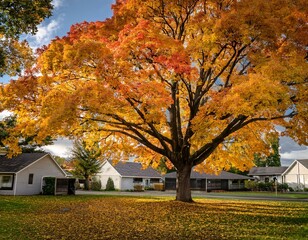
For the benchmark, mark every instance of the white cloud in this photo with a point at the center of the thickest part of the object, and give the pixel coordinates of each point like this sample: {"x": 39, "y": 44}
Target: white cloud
{"x": 301, "y": 154}
{"x": 57, "y": 3}
{"x": 4, "y": 114}
{"x": 61, "y": 147}
{"x": 47, "y": 30}
{"x": 45, "y": 33}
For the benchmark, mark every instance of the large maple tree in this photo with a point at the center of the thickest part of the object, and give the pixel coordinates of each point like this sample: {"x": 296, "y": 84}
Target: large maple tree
{"x": 199, "y": 84}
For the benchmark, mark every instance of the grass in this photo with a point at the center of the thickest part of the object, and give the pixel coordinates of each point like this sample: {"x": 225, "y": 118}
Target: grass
{"x": 114, "y": 217}
{"x": 297, "y": 195}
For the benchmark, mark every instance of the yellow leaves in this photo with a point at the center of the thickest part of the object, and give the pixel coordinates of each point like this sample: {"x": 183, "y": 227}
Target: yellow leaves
{"x": 14, "y": 149}
{"x": 254, "y": 96}
{"x": 42, "y": 217}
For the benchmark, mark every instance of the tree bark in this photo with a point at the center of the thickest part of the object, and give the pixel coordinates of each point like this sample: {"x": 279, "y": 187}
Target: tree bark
{"x": 87, "y": 183}
{"x": 183, "y": 192}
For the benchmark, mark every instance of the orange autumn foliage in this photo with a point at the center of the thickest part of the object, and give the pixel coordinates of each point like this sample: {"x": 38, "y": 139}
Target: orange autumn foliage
{"x": 202, "y": 83}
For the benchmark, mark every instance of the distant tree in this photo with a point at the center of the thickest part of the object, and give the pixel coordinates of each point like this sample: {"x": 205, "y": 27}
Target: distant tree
{"x": 60, "y": 160}
{"x": 16, "y": 18}
{"x": 272, "y": 160}
{"x": 110, "y": 185}
{"x": 86, "y": 161}
{"x": 163, "y": 166}
{"x": 237, "y": 171}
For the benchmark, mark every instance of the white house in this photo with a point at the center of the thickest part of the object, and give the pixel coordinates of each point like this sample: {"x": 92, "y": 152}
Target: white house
{"x": 267, "y": 174}
{"x": 296, "y": 175}
{"x": 127, "y": 174}
{"x": 23, "y": 174}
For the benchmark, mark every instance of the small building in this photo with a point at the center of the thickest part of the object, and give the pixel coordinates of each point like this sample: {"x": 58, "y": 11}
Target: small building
{"x": 23, "y": 174}
{"x": 126, "y": 175}
{"x": 267, "y": 174}
{"x": 208, "y": 182}
{"x": 296, "y": 175}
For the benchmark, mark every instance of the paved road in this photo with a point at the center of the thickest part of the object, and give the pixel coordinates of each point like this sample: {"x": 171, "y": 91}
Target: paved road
{"x": 198, "y": 194}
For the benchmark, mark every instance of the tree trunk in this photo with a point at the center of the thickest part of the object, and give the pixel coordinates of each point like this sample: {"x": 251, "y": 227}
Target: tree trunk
{"x": 183, "y": 192}
{"x": 87, "y": 183}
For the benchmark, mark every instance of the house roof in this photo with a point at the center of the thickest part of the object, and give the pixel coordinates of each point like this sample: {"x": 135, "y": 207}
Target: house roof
{"x": 222, "y": 175}
{"x": 15, "y": 164}
{"x": 266, "y": 171}
{"x": 134, "y": 169}
{"x": 304, "y": 162}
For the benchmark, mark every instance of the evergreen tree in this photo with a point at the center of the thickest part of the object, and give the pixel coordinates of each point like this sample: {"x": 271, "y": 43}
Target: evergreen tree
{"x": 273, "y": 160}
{"x": 86, "y": 160}
{"x": 110, "y": 185}
{"x": 26, "y": 144}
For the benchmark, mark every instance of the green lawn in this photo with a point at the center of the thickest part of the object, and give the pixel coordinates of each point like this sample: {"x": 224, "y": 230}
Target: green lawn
{"x": 290, "y": 195}
{"x": 115, "y": 217}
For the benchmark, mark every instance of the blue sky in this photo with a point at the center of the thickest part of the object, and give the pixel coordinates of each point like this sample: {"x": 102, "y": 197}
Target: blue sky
{"x": 69, "y": 12}
{"x": 65, "y": 14}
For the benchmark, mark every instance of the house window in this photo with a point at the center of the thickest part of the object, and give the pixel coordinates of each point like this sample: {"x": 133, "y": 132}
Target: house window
{"x": 6, "y": 182}
{"x": 30, "y": 180}
{"x": 137, "y": 180}
{"x": 154, "y": 180}
{"x": 266, "y": 179}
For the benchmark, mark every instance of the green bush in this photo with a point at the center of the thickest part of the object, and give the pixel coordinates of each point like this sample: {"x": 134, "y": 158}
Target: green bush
{"x": 96, "y": 185}
{"x": 282, "y": 187}
{"x": 49, "y": 187}
{"x": 110, "y": 185}
{"x": 265, "y": 186}
{"x": 251, "y": 185}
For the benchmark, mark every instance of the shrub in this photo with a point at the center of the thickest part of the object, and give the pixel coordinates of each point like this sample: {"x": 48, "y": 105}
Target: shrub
{"x": 96, "y": 185}
{"x": 110, "y": 185}
{"x": 265, "y": 186}
{"x": 282, "y": 187}
{"x": 251, "y": 185}
{"x": 49, "y": 187}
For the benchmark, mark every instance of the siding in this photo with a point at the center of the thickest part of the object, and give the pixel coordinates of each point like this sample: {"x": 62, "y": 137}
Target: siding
{"x": 127, "y": 184}
{"x": 41, "y": 168}
{"x": 107, "y": 171}
{"x": 6, "y": 192}
{"x": 297, "y": 176}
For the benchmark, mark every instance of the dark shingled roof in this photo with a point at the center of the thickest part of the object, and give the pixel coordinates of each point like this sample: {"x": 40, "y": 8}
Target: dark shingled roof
{"x": 266, "y": 171}
{"x": 133, "y": 169}
{"x": 304, "y": 162}
{"x": 222, "y": 175}
{"x": 15, "y": 164}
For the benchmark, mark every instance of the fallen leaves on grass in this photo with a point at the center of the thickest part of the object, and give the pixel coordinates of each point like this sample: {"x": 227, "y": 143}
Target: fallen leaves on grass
{"x": 77, "y": 217}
